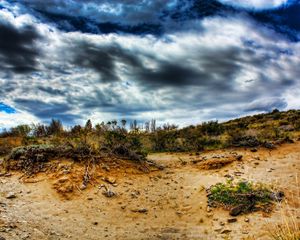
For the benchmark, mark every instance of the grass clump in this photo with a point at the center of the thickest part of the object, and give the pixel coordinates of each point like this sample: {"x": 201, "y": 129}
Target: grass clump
{"x": 242, "y": 197}
{"x": 286, "y": 232}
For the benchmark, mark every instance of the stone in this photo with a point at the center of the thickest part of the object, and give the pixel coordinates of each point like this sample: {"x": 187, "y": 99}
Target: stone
{"x": 11, "y": 195}
{"x": 269, "y": 145}
{"x": 218, "y": 229}
{"x": 110, "y": 180}
{"x": 277, "y": 196}
{"x": 140, "y": 210}
{"x": 235, "y": 211}
{"x": 225, "y": 231}
{"x": 239, "y": 157}
{"x": 208, "y": 209}
{"x": 231, "y": 220}
{"x": 109, "y": 193}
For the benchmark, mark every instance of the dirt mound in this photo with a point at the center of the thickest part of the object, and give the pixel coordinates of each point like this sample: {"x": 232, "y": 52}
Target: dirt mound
{"x": 71, "y": 169}
{"x": 217, "y": 162}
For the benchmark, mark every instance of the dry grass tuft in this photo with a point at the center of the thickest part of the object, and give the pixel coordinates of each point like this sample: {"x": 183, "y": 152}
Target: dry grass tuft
{"x": 289, "y": 229}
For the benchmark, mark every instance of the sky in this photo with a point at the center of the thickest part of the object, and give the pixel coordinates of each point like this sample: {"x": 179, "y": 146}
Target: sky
{"x": 177, "y": 61}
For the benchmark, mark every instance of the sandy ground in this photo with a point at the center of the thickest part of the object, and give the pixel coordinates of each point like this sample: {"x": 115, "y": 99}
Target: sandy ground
{"x": 166, "y": 204}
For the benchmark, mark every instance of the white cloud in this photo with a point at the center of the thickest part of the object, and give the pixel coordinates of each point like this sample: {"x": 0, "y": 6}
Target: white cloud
{"x": 8, "y": 120}
{"x": 256, "y": 4}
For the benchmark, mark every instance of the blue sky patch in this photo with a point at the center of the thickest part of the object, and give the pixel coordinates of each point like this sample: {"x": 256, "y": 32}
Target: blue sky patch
{"x": 7, "y": 109}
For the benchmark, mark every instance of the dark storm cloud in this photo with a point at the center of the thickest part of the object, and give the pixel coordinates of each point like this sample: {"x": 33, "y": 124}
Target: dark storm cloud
{"x": 155, "y": 16}
{"x": 134, "y": 16}
{"x": 213, "y": 66}
{"x": 18, "y": 52}
{"x": 47, "y": 111}
{"x": 285, "y": 20}
{"x": 103, "y": 59}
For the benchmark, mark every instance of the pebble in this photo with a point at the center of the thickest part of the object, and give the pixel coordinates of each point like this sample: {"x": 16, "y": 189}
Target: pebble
{"x": 231, "y": 220}
{"x": 140, "y": 210}
{"x": 11, "y": 195}
{"x": 225, "y": 231}
{"x": 208, "y": 209}
{"x": 110, "y": 180}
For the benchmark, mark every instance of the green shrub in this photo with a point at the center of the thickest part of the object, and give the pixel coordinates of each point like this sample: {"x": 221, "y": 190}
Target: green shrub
{"x": 244, "y": 193}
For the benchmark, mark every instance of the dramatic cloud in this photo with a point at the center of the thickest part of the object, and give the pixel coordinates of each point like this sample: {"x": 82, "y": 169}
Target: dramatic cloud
{"x": 218, "y": 63}
{"x": 256, "y": 4}
{"x": 17, "y": 50}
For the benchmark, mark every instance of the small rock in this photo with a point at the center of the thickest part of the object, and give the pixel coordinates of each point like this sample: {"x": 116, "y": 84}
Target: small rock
{"x": 109, "y": 193}
{"x": 179, "y": 213}
{"x": 218, "y": 229}
{"x": 235, "y": 211}
{"x": 253, "y": 149}
{"x": 246, "y": 220}
{"x": 231, "y": 220}
{"x": 110, "y": 180}
{"x": 239, "y": 157}
{"x": 208, "y": 209}
{"x": 11, "y": 195}
{"x": 140, "y": 210}
{"x": 277, "y": 196}
{"x": 229, "y": 176}
{"x": 237, "y": 173}
{"x": 225, "y": 231}
{"x": 269, "y": 145}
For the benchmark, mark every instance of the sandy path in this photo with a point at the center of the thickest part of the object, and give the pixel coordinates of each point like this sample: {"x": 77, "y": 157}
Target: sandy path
{"x": 174, "y": 198}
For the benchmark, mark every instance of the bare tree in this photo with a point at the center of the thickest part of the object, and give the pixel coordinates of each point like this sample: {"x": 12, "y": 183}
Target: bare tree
{"x": 123, "y": 122}
{"x": 153, "y": 125}
{"x": 134, "y": 126}
{"x": 147, "y": 126}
